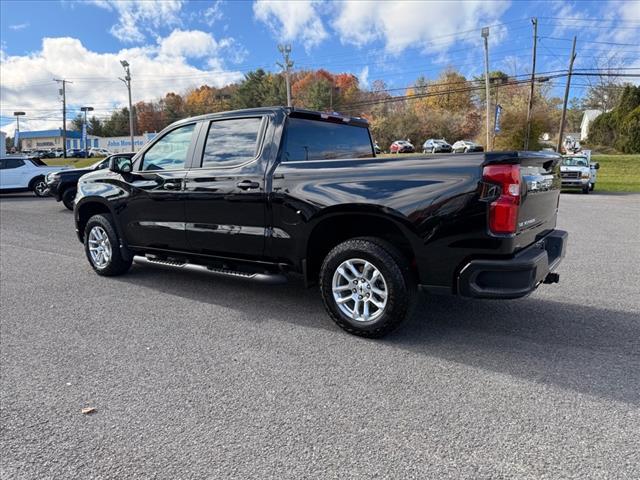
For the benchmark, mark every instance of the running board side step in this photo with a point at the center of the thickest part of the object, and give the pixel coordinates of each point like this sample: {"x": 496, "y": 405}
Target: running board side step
{"x": 264, "y": 277}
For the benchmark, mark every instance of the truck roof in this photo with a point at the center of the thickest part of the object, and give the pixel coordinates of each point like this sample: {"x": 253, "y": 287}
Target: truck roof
{"x": 289, "y": 111}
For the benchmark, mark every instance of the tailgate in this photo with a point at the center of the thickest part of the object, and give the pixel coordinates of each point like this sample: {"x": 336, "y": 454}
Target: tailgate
{"x": 539, "y": 192}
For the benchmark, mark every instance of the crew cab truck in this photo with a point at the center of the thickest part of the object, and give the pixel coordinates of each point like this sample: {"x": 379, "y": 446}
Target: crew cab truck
{"x": 258, "y": 193}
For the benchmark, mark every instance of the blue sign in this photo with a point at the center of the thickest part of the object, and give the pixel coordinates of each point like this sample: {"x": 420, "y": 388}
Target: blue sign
{"x": 16, "y": 138}
{"x": 84, "y": 135}
{"x": 496, "y": 120}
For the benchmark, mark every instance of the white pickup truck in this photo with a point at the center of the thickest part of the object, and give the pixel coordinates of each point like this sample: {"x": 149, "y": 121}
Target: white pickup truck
{"x": 23, "y": 174}
{"x": 578, "y": 172}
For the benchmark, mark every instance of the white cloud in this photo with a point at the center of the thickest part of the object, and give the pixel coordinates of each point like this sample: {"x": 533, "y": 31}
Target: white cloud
{"x": 292, "y": 20}
{"x": 188, "y": 43}
{"x": 213, "y": 13}
{"x": 19, "y": 26}
{"x": 136, "y": 16}
{"x": 432, "y": 26}
{"x": 156, "y": 70}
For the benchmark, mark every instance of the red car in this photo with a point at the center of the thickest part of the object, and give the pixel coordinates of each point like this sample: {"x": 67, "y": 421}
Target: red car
{"x": 401, "y": 146}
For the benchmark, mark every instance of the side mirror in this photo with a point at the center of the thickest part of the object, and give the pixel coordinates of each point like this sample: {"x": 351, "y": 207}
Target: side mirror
{"x": 120, "y": 165}
{"x": 595, "y": 166}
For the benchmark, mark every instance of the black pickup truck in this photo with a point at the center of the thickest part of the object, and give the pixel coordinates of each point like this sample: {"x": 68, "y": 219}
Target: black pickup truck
{"x": 262, "y": 192}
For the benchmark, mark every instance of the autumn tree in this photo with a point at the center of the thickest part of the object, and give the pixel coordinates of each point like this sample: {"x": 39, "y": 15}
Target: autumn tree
{"x": 173, "y": 108}
{"x": 149, "y": 117}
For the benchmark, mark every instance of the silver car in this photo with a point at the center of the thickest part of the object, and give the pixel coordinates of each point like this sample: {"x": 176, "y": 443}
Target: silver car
{"x": 464, "y": 146}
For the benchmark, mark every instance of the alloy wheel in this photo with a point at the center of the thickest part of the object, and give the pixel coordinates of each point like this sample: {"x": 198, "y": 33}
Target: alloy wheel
{"x": 360, "y": 290}
{"x": 99, "y": 247}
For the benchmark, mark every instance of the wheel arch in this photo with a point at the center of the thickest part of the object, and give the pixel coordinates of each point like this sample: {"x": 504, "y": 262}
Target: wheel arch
{"x": 87, "y": 208}
{"x": 335, "y": 227}
{"x": 35, "y": 179}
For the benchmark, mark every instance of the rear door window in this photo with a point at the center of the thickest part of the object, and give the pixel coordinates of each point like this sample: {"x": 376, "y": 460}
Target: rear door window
{"x": 10, "y": 163}
{"x": 231, "y": 142}
{"x": 308, "y": 139}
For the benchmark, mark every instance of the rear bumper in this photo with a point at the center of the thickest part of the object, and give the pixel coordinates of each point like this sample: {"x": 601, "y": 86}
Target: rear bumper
{"x": 515, "y": 277}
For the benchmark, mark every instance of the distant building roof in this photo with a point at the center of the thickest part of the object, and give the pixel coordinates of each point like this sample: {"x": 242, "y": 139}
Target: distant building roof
{"x": 50, "y": 133}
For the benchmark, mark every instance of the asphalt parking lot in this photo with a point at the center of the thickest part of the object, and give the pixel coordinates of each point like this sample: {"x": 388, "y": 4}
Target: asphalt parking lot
{"x": 196, "y": 376}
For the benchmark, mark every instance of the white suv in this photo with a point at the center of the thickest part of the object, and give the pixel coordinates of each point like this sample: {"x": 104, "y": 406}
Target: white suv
{"x": 22, "y": 173}
{"x": 99, "y": 152}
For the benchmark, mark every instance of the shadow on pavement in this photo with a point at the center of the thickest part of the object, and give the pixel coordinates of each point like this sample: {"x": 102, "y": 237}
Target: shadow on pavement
{"x": 587, "y": 349}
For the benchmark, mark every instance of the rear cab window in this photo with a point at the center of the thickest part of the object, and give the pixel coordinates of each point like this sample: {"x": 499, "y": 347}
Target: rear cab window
{"x": 315, "y": 139}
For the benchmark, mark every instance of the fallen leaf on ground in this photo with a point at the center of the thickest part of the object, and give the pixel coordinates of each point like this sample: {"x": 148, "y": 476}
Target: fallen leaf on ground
{"x": 88, "y": 410}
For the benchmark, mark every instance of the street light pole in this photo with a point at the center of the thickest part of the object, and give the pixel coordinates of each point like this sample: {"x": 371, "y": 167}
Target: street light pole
{"x": 16, "y": 136}
{"x": 286, "y": 65}
{"x": 127, "y": 82}
{"x": 485, "y": 35}
{"x": 84, "y": 132}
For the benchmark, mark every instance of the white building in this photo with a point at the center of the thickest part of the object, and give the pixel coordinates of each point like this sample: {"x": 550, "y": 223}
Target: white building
{"x": 123, "y": 144}
{"x": 52, "y": 139}
{"x": 587, "y": 117}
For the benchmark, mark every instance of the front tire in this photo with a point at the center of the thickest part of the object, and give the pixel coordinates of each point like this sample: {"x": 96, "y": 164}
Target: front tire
{"x": 68, "y": 198}
{"x": 586, "y": 189}
{"x": 102, "y": 247}
{"x": 366, "y": 286}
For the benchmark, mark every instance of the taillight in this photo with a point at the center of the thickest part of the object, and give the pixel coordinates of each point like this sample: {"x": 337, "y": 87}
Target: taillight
{"x": 503, "y": 212}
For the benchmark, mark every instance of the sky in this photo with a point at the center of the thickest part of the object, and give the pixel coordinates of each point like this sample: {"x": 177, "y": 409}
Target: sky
{"x": 175, "y": 45}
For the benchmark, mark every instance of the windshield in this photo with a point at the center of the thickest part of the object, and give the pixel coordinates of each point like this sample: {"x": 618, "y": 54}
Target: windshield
{"x": 575, "y": 162}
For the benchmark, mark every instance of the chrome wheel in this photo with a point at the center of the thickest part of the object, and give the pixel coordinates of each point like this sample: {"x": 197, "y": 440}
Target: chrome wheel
{"x": 99, "y": 247}
{"x": 359, "y": 290}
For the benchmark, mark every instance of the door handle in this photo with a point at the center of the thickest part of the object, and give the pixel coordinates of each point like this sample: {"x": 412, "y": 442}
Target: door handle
{"x": 172, "y": 186}
{"x": 247, "y": 184}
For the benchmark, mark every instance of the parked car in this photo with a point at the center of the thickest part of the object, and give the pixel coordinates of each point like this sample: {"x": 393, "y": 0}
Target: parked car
{"x": 578, "y": 172}
{"x": 18, "y": 173}
{"x": 75, "y": 153}
{"x": 401, "y": 146}
{"x": 257, "y": 193}
{"x": 435, "y": 146}
{"x": 99, "y": 152}
{"x": 464, "y": 146}
{"x": 62, "y": 184}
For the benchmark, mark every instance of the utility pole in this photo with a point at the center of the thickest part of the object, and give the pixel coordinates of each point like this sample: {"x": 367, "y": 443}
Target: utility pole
{"x": 127, "y": 82}
{"x": 485, "y": 35}
{"x": 286, "y": 66}
{"x": 533, "y": 79}
{"x": 16, "y": 135}
{"x": 566, "y": 95}
{"x": 63, "y": 92}
{"x": 84, "y": 132}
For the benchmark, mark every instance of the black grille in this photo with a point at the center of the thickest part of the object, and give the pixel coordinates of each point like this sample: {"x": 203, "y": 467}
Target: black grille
{"x": 570, "y": 174}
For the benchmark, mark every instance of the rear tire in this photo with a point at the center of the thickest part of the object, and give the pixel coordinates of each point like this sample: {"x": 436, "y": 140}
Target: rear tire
{"x": 367, "y": 286}
{"x": 39, "y": 186}
{"x": 102, "y": 247}
{"x": 68, "y": 198}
